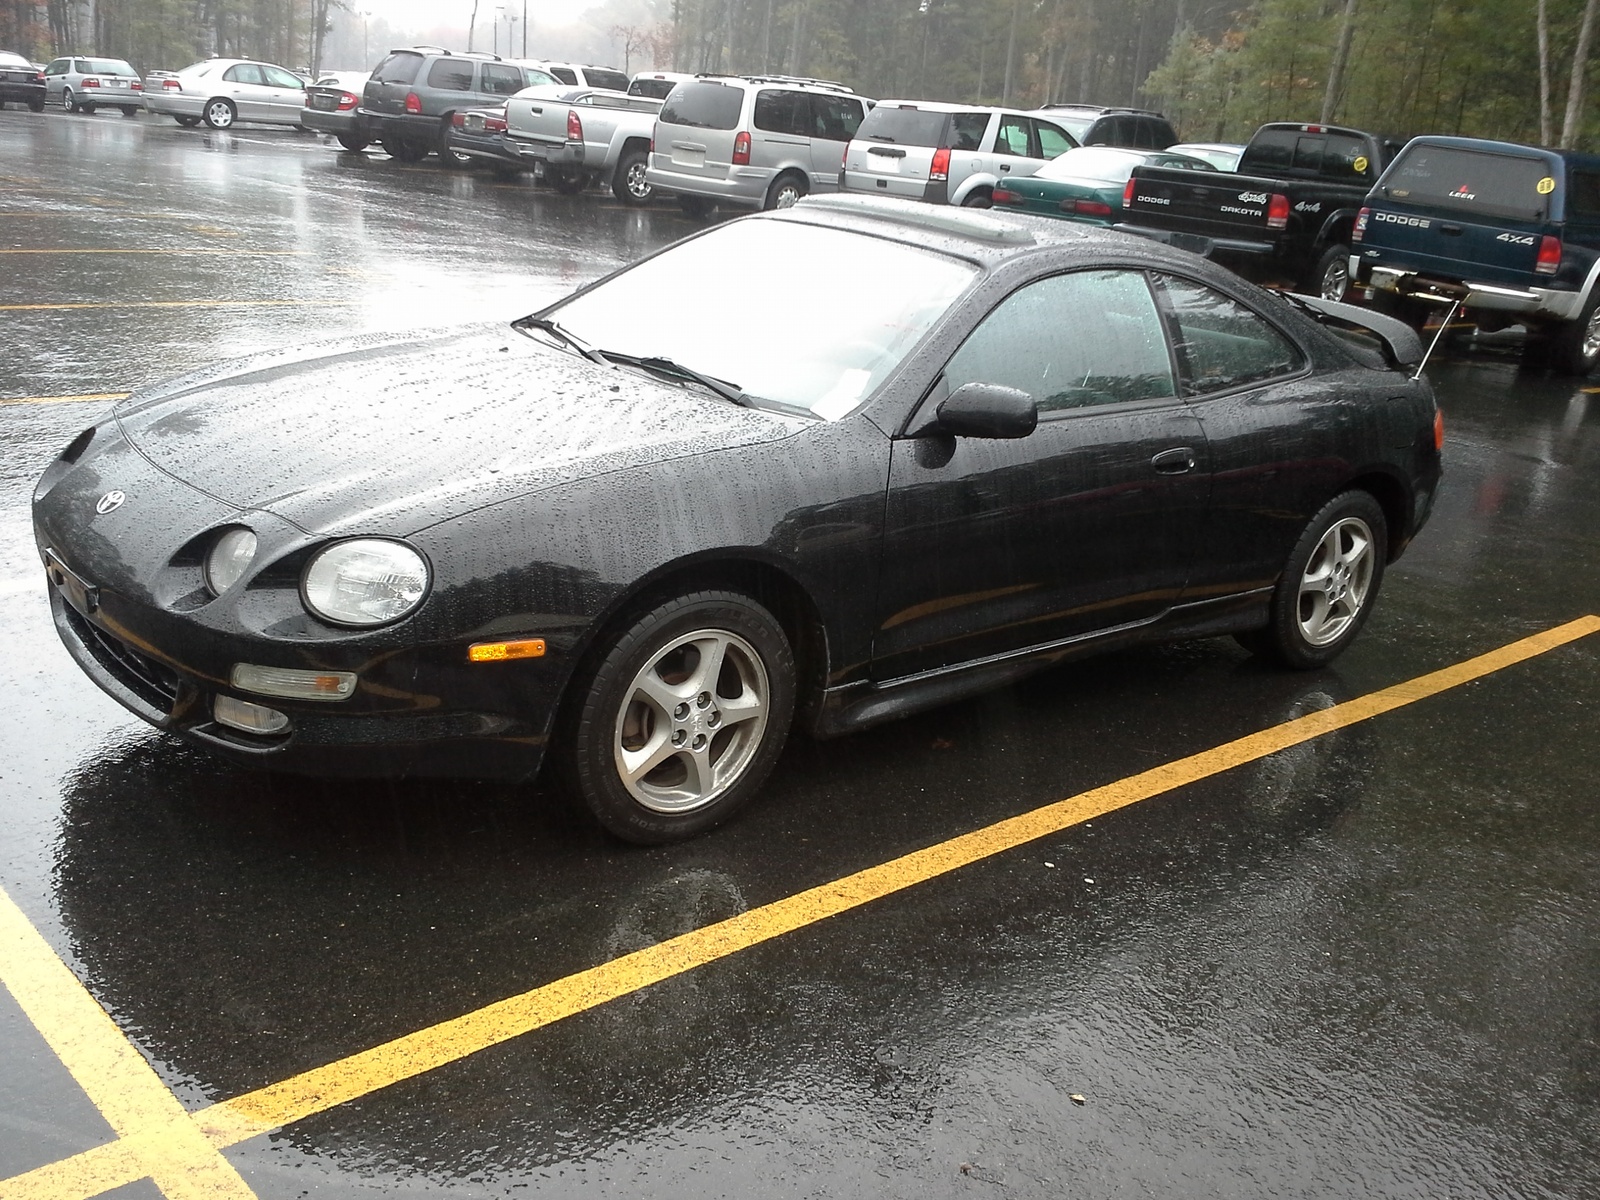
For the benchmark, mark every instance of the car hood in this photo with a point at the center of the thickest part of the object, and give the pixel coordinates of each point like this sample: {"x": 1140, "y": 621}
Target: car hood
{"x": 393, "y": 435}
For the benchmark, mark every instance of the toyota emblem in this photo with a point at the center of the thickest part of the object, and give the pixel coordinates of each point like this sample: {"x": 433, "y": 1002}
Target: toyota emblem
{"x": 110, "y": 502}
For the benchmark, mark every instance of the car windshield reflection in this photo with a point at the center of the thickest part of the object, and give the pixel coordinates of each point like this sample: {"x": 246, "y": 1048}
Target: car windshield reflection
{"x": 760, "y": 302}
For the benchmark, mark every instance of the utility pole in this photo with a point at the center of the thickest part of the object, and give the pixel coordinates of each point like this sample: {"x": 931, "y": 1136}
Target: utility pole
{"x": 524, "y": 28}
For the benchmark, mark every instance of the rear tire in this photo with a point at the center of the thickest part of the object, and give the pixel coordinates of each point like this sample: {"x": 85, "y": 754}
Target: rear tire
{"x": 36, "y": 105}
{"x": 405, "y": 151}
{"x": 1328, "y": 586}
{"x": 449, "y": 158}
{"x": 679, "y": 717}
{"x": 1575, "y": 345}
{"x": 630, "y": 184}
{"x": 785, "y": 191}
{"x": 1330, "y": 278}
{"x": 220, "y": 113}
{"x": 569, "y": 181}
{"x": 699, "y": 207}
{"x": 979, "y": 199}
{"x": 129, "y": 110}
{"x": 353, "y": 143}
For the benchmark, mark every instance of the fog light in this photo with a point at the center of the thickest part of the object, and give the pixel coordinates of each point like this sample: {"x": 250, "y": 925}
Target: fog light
{"x": 292, "y": 684}
{"x": 247, "y": 717}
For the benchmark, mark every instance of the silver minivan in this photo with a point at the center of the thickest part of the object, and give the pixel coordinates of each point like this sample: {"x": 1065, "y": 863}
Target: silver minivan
{"x": 758, "y": 141}
{"x": 947, "y": 153}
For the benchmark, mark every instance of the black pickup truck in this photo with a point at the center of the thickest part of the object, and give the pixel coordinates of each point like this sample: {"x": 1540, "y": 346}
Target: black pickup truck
{"x": 1283, "y": 218}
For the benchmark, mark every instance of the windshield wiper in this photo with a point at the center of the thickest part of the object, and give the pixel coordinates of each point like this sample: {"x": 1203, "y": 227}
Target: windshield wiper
{"x": 553, "y": 328}
{"x": 669, "y": 369}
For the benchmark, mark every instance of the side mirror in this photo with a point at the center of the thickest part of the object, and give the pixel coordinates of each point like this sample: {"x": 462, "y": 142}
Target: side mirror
{"x": 987, "y": 410}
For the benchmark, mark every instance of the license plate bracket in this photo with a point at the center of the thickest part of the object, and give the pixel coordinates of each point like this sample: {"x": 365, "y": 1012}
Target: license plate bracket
{"x": 80, "y": 593}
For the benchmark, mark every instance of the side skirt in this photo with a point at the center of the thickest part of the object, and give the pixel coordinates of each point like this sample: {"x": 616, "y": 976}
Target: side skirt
{"x": 857, "y": 706}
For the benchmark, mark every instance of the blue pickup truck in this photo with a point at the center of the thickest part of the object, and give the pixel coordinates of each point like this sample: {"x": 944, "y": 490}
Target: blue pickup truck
{"x": 1511, "y": 231}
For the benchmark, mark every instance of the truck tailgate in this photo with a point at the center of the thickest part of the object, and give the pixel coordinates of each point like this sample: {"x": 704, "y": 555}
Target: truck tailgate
{"x": 1220, "y": 205}
{"x": 1449, "y": 249}
{"x": 537, "y": 119}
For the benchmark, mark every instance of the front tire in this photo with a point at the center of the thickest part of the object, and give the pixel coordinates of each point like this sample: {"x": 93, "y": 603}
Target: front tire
{"x": 1328, "y": 587}
{"x": 129, "y": 110}
{"x": 220, "y": 113}
{"x": 1330, "y": 278}
{"x": 681, "y": 716}
{"x": 785, "y": 192}
{"x": 187, "y": 122}
{"x": 69, "y": 102}
{"x": 630, "y": 183}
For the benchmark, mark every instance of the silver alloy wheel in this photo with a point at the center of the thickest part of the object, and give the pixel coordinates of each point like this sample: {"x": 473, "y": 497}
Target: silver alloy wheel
{"x": 787, "y": 195}
{"x": 691, "y": 721}
{"x": 1336, "y": 582}
{"x": 1591, "y": 337}
{"x": 219, "y": 114}
{"x": 636, "y": 182}
{"x": 1336, "y": 279}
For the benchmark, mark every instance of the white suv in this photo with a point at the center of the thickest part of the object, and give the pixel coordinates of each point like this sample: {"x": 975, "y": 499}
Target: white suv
{"x": 947, "y": 153}
{"x": 756, "y": 141}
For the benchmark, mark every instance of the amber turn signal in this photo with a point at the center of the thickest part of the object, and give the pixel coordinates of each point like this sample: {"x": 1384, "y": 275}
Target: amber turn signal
{"x": 501, "y": 651}
{"x": 1438, "y": 429}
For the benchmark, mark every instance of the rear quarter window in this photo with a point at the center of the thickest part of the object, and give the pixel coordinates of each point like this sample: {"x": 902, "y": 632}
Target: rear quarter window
{"x": 1583, "y": 195}
{"x": 450, "y": 75}
{"x": 398, "y": 68}
{"x": 703, "y": 106}
{"x": 1471, "y": 182}
{"x": 783, "y": 112}
{"x": 604, "y": 77}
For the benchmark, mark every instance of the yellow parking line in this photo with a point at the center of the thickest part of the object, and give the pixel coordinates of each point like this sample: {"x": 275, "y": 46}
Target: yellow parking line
{"x": 178, "y": 304}
{"x": 88, "y": 398}
{"x": 122, "y": 1085}
{"x": 322, "y": 1088}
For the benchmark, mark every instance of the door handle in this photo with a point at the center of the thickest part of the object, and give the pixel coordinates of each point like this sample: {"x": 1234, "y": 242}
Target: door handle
{"x": 1177, "y": 461}
{"x": 1005, "y": 166}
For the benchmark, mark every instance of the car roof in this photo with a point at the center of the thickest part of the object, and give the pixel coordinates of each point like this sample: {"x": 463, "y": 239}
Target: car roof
{"x": 945, "y": 106}
{"x": 1577, "y": 157}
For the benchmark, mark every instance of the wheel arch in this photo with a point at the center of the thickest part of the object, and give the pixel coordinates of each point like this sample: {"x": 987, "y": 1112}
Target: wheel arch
{"x": 636, "y": 142}
{"x": 973, "y": 183}
{"x": 748, "y": 572}
{"x": 1395, "y": 500}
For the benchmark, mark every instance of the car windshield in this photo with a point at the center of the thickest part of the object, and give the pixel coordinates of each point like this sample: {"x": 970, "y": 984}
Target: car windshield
{"x": 1092, "y": 162}
{"x": 842, "y": 311}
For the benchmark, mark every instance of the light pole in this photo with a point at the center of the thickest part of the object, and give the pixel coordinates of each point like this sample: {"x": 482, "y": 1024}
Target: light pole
{"x": 499, "y": 11}
{"x": 366, "y": 56}
{"x": 511, "y": 33}
{"x": 524, "y": 28}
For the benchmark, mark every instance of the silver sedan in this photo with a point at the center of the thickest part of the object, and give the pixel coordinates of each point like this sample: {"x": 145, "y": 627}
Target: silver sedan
{"x": 81, "y": 84}
{"x": 224, "y": 91}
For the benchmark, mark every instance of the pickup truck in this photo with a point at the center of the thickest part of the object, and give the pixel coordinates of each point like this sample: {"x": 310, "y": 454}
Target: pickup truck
{"x": 583, "y": 135}
{"x": 1283, "y": 218}
{"x": 1512, "y": 232}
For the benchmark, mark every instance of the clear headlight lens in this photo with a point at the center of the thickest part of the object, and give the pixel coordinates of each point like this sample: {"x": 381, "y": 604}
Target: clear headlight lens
{"x": 229, "y": 559}
{"x": 365, "y": 581}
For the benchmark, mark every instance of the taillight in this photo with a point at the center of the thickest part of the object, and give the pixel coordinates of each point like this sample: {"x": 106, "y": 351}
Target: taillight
{"x": 1001, "y": 196}
{"x": 91, "y": 83}
{"x": 1438, "y": 429}
{"x": 939, "y": 168}
{"x": 1549, "y": 260}
{"x": 1278, "y": 212}
{"x": 176, "y": 85}
{"x": 1091, "y": 208}
{"x": 1127, "y": 193}
{"x": 39, "y": 78}
{"x": 136, "y": 86}
{"x": 494, "y": 124}
{"x": 413, "y": 102}
{"x": 1360, "y": 230}
{"x": 458, "y": 120}
{"x": 347, "y": 101}
{"x": 741, "y": 149}
{"x": 575, "y": 127}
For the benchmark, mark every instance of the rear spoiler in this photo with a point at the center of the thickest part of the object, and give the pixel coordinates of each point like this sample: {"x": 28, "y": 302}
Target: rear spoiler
{"x": 1401, "y": 345}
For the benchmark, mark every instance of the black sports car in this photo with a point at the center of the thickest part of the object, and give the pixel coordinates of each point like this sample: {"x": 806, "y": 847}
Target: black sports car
{"x": 928, "y": 451}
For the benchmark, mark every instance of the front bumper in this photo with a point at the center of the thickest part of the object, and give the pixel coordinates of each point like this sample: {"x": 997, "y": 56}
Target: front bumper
{"x": 1548, "y": 304}
{"x": 125, "y": 648}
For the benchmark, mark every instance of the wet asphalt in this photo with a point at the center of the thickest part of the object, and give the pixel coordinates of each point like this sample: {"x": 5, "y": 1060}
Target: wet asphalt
{"x": 1366, "y": 966}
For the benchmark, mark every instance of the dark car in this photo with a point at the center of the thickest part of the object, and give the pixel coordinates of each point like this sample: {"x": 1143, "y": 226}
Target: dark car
{"x": 1513, "y": 232}
{"x": 646, "y": 537}
{"x": 412, "y": 95}
{"x": 1098, "y": 125}
{"x": 479, "y": 135}
{"x": 331, "y": 106}
{"x": 20, "y": 81}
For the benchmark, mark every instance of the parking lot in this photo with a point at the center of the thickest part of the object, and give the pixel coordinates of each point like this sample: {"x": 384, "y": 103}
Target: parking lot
{"x": 1166, "y": 922}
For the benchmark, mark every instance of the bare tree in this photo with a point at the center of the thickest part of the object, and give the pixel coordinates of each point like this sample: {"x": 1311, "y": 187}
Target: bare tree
{"x": 1580, "y": 68}
{"x": 634, "y": 38}
{"x": 1341, "y": 58}
{"x": 1544, "y": 73}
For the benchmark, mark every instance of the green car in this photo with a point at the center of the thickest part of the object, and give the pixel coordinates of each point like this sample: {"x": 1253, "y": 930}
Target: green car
{"x": 1087, "y": 184}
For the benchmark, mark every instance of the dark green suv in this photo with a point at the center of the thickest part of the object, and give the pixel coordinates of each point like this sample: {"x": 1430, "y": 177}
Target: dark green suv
{"x": 412, "y": 94}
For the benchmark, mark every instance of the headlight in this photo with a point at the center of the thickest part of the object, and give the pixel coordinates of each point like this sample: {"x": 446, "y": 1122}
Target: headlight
{"x": 229, "y": 559}
{"x": 365, "y": 582}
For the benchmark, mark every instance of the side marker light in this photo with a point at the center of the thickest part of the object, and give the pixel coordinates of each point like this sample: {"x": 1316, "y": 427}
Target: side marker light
{"x": 504, "y": 651}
